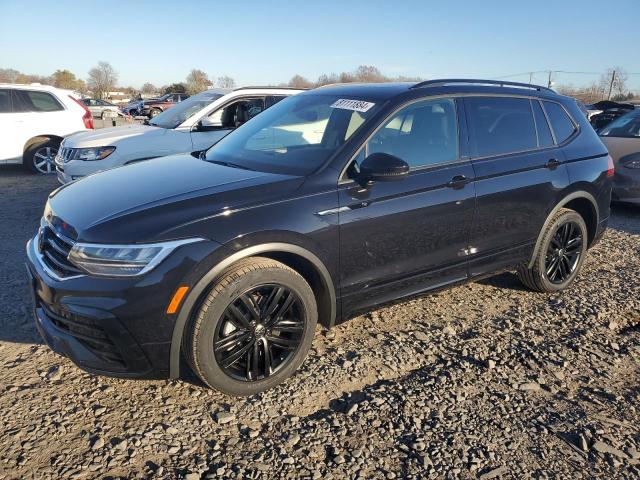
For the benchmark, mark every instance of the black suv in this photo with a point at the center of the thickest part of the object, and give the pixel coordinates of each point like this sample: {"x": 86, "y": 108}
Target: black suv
{"x": 330, "y": 203}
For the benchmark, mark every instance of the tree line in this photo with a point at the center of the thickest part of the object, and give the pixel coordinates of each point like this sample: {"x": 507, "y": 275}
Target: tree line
{"x": 364, "y": 73}
{"x": 103, "y": 78}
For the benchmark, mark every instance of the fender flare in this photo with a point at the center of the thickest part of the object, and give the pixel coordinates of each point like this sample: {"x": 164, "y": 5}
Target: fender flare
{"x": 205, "y": 282}
{"x": 572, "y": 196}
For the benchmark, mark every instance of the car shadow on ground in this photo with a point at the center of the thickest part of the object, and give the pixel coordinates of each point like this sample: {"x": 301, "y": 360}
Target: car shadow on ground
{"x": 624, "y": 217}
{"x": 506, "y": 280}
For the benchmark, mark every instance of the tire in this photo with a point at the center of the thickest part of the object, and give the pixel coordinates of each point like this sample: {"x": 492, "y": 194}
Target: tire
{"x": 44, "y": 150}
{"x": 154, "y": 112}
{"x": 567, "y": 259}
{"x": 251, "y": 278}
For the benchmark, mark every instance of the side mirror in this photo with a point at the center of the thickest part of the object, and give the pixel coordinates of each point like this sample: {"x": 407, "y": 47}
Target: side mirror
{"x": 382, "y": 167}
{"x": 206, "y": 125}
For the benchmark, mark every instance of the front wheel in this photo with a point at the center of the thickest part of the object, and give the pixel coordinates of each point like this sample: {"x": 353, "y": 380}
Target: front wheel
{"x": 39, "y": 158}
{"x": 562, "y": 251}
{"x": 254, "y": 328}
{"x": 154, "y": 112}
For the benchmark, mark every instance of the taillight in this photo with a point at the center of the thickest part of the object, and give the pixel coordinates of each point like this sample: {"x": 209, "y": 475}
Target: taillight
{"x": 87, "y": 118}
{"x": 610, "y": 168}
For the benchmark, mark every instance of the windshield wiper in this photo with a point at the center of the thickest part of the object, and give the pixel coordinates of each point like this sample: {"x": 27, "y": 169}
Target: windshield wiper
{"x": 228, "y": 164}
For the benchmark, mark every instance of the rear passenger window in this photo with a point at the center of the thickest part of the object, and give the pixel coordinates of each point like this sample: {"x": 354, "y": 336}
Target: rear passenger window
{"x": 544, "y": 134}
{"x": 5, "y": 101}
{"x": 562, "y": 125}
{"x": 424, "y": 133}
{"x": 28, "y": 101}
{"x": 500, "y": 125}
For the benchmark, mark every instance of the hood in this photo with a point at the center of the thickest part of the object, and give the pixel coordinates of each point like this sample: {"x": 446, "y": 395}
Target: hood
{"x": 110, "y": 136}
{"x": 153, "y": 200}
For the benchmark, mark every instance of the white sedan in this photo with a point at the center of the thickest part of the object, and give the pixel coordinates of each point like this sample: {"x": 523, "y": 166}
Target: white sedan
{"x": 191, "y": 126}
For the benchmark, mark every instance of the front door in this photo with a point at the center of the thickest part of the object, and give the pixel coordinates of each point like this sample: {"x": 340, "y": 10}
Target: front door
{"x": 224, "y": 120}
{"x": 404, "y": 237}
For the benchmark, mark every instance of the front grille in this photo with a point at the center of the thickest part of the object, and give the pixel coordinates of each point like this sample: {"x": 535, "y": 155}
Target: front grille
{"x": 54, "y": 250}
{"x": 67, "y": 154}
{"x": 87, "y": 331}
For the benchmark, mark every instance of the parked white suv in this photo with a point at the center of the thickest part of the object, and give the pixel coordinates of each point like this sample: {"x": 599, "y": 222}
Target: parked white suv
{"x": 193, "y": 125}
{"x": 33, "y": 121}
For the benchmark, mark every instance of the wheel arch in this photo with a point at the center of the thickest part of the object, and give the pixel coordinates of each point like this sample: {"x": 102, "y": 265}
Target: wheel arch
{"x": 39, "y": 139}
{"x": 580, "y": 201}
{"x": 300, "y": 259}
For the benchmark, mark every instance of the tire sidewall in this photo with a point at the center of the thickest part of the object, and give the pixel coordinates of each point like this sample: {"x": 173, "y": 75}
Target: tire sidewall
{"x": 29, "y": 159}
{"x": 569, "y": 216}
{"x": 208, "y": 365}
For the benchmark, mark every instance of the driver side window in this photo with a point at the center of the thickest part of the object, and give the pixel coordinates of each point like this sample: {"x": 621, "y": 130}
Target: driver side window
{"x": 422, "y": 134}
{"x": 236, "y": 113}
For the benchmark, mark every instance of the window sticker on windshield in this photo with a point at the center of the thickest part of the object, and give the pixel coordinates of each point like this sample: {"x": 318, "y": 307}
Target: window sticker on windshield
{"x": 355, "y": 105}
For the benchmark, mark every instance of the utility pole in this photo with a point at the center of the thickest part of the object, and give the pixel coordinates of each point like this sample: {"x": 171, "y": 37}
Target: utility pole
{"x": 613, "y": 77}
{"x": 549, "y": 82}
{"x": 530, "y": 77}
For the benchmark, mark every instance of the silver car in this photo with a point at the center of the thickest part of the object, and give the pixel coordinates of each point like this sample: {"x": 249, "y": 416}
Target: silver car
{"x": 101, "y": 108}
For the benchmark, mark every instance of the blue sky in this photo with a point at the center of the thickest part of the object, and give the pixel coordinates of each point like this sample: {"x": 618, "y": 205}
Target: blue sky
{"x": 267, "y": 42}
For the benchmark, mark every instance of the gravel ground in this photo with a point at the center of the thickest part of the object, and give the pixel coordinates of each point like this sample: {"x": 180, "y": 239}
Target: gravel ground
{"x": 486, "y": 380}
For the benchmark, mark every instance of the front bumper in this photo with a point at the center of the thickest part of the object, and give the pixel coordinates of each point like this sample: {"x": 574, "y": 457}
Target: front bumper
{"x": 113, "y": 326}
{"x": 76, "y": 169}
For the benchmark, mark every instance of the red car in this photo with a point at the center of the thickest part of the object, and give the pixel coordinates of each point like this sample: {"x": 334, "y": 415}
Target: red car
{"x": 155, "y": 106}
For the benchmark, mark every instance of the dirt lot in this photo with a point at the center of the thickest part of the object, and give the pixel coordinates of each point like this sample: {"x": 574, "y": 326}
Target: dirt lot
{"x": 484, "y": 381}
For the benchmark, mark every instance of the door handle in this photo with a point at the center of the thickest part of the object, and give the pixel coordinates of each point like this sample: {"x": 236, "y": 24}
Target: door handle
{"x": 457, "y": 182}
{"x": 552, "y": 164}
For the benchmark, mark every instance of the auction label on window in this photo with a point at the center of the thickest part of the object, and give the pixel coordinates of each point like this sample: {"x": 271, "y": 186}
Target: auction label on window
{"x": 355, "y": 105}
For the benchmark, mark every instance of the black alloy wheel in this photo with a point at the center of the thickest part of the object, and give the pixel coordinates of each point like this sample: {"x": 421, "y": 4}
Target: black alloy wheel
{"x": 563, "y": 253}
{"x": 259, "y": 332}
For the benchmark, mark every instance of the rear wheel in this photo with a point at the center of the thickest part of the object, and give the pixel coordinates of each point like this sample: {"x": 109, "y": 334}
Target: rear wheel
{"x": 154, "y": 112}
{"x": 39, "y": 158}
{"x": 254, "y": 328}
{"x": 561, "y": 253}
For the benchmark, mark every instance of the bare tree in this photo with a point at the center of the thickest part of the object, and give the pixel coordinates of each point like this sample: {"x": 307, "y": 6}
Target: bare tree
{"x": 102, "y": 78}
{"x": 368, "y": 73}
{"x": 197, "y": 81}
{"x": 8, "y": 75}
{"x": 325, "y": 79}
{"x": 226, "y": 82}
{"x": 298, "y": 81}
{"x": 149, "y": 88}
{"x": 614, "y": 82}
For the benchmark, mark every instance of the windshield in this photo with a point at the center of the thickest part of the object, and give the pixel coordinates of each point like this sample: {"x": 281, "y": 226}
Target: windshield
{"x": 174, "y": 116}
{"x": 627, "y": 125}
{"x": 295, "y": 136}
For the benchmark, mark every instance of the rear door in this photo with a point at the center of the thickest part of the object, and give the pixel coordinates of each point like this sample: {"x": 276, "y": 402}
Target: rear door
{"x": 403, "y": 237}
{"x": 10, "y": 149}
{"x": 519, "y": 172}
{"x": 37, "y": 113}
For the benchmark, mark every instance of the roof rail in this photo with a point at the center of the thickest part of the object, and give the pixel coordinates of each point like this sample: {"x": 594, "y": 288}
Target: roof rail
{"x": 270, "y": 87}
{"x": 500, "y": 83}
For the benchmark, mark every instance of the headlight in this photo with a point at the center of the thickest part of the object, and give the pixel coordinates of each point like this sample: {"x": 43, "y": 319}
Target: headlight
{"x": 122, "y": 260}
{"x": 90, "y": 154}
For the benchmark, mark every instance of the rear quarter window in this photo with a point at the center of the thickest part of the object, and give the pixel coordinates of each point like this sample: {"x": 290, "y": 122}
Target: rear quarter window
{"x": 561, "y": 124}
{"x": 500, "y": 125}
{"x": 544, "y": 133}
{"x": 32, "y": 101}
